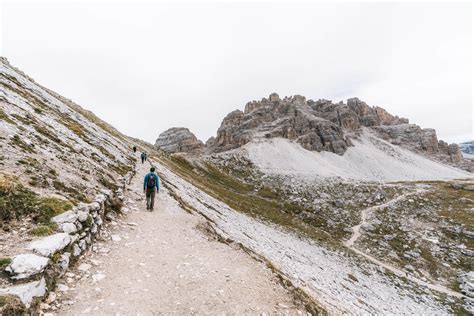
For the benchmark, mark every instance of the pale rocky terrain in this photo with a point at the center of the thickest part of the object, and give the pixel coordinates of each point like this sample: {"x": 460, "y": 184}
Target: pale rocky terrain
{"x": 67, "y": 208}
{"x": 296, "y": 206}
{"x": 352, "y": 179}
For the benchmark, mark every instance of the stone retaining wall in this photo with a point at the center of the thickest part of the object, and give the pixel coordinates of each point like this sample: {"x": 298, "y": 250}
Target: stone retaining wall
{"x": 33, "y": 274}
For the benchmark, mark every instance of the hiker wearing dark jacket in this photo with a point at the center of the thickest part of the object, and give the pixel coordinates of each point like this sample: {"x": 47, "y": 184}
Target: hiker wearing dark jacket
{"x": 150, "y": 186}
{"x": 143, "y": 157}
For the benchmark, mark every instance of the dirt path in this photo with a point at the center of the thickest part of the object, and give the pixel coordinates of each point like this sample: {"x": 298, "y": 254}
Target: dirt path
{"x": 365, "y": 212}
{"x": 356, "y": 234}
{"x": 161, "y": 263}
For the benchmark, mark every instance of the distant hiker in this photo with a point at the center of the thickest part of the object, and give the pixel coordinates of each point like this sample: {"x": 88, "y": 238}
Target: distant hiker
{"x": 146, "y": 156}
{"x": 134, "y": 149}
{"x": 151, "y": 183}
{"x": 143, "y": 157}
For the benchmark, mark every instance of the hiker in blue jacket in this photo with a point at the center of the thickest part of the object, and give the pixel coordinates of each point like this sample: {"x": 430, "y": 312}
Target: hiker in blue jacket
{"x": 150, "y": 186}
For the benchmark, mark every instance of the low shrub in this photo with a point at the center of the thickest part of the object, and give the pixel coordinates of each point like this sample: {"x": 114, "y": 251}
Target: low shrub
{"x": 17, "y": 201}
{"x": 4, "y": 262}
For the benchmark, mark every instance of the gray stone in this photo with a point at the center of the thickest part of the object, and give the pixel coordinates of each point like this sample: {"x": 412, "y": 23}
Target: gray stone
{"x": 95, "y": 206}
{"x": 94, "y": 229}
{"x": 47, "y": 246}
{"x": 68, "y": 228}
{"x": 82, "y": 244}
{"x": 66, "y": 217}
{"x": 76, "y": 250}
{"x": 26, "y": 292}
{"x": 64, "y": 261}
{"x": 26, "y": 265}
{"x": 82, "y": 216}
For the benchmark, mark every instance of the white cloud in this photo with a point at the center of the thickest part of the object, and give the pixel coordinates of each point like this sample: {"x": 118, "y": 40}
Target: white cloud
{"x": 145, "y": 67}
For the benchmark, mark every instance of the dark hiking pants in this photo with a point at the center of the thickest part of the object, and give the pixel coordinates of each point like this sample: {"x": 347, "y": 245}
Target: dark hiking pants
{"x": 150, "y": 198}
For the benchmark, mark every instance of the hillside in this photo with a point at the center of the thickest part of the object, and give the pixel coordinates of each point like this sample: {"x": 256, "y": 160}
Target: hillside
{"x": 369, "y": 159}
{"x": 62, "y": 170}
{"x": 288, "y": 209}
{"x": 312, "y": 185}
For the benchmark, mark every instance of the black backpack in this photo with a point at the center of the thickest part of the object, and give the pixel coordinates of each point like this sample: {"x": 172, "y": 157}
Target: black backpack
{"x": 151, "y": 183}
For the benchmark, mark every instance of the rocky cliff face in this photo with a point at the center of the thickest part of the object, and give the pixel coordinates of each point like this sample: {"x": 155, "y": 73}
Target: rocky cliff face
{"x": 317, "y": 126}
{"x": 326, "y": 126}
{"x": 290, "y": 118}
{"x": 179, "y": 139}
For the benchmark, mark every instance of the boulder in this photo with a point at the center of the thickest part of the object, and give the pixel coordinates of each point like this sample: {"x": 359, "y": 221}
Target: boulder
{"x": 26, "y": 265}
{"x": 64, "y": 261}
{"x": 68, "y": 228}
{"x": 76, "y": 250}
{"x": 47, "y": 246}
{"x": 94, "y": 206}
{"x": 82, "y": 216}
{"x": 26, "y": 292}
{"x": 66, "y": 217}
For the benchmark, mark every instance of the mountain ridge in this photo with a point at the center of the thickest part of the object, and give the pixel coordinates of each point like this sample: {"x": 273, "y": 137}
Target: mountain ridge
{"x": 342, "y": 244}
{"x": 317, "y": 126}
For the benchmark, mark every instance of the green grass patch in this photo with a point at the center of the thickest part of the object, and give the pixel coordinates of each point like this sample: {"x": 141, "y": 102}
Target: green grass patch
{"x": 73, "y": 193}
{"x": 50, "y": 207}
{"x": 121, "y": 169}
{"x": 107, "y": 183}
{"x": 44, "y": 230}
{"x": 4, "y": 262}
{"x": 17, "y": 201}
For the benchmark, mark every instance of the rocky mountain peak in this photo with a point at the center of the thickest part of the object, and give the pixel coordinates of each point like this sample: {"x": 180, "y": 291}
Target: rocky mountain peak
{"x": 320, "y": 125}
{"x": 179, "y": 139}
{"x": 326, "y": 126}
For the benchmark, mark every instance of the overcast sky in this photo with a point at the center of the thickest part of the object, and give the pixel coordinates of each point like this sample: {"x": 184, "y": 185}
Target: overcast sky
{"x": 146, "y": 67}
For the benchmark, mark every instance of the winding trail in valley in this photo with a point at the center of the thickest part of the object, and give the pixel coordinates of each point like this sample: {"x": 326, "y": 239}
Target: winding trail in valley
{"x": 163, "y": 262}
{"x": 356, "y": 233}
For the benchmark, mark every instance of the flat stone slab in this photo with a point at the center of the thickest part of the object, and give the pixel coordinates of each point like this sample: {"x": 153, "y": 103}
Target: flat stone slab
{"x": 49, "y": 245}
{"x": 26, "y": 292}
{"x": 66, "y": 217}
{"x": 25, "y": 265}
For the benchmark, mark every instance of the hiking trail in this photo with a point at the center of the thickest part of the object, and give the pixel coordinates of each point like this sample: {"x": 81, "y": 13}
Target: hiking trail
{"x": 365, "y": 213}
{"x": 161, "y": 262}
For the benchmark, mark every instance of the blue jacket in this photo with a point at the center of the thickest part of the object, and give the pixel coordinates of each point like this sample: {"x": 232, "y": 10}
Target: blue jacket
{"x": 157, "y": 181}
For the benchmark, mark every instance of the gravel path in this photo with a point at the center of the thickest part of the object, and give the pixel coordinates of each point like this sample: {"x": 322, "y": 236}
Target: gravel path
{"x": 161, "y": 262}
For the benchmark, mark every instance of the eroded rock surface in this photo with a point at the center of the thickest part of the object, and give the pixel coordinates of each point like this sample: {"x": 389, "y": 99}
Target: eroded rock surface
{"x": 47, "y": 246}
{"x": 179, "y": 139}
{"x": 326, "y": 126}
{"x": 25, "y": 265}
